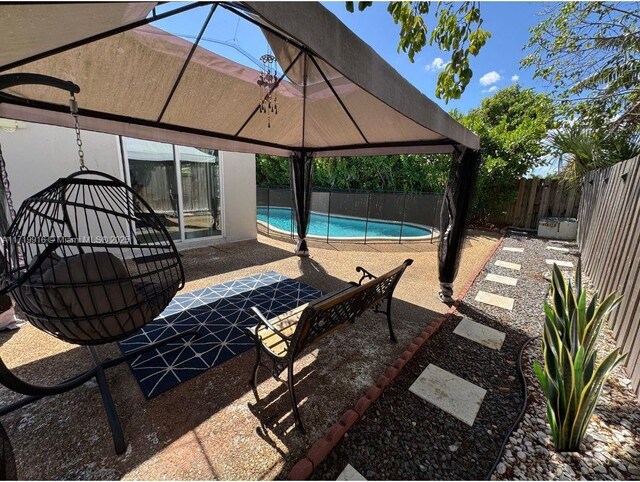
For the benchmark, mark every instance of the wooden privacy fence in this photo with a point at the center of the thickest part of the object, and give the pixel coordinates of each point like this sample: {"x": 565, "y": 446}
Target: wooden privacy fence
{"x": 539, "y": 198}
{"x": 609, "y": 240}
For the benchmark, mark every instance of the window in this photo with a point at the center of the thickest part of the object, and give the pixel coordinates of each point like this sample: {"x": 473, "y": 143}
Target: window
{"x": 181, "y": 184}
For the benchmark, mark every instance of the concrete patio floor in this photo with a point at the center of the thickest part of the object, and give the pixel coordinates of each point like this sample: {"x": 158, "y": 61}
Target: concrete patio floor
{"x": 211, "y": 426}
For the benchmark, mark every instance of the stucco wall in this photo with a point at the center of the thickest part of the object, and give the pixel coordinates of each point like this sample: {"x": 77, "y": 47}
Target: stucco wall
{"x": 36, "y": 155}
{"x": 239, "y": 191}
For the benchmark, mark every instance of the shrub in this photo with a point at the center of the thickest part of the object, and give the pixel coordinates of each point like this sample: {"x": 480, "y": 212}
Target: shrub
{"x": 572, "y": 377}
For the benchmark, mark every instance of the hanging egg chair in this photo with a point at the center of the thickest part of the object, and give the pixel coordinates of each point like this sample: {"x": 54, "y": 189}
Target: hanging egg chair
{"x": 89, "y": 262}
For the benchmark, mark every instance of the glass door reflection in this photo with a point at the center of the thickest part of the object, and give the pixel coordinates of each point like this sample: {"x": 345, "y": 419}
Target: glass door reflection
{"x": 200, "y": 176}
{"x": 152, "y": 170}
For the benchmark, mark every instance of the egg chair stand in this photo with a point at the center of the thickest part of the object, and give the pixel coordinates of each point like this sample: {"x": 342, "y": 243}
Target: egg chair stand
{"x": 36, "y": 392}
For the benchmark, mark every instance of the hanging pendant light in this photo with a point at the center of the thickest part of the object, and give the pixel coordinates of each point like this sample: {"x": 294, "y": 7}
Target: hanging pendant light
{"x": 267, "y": 80}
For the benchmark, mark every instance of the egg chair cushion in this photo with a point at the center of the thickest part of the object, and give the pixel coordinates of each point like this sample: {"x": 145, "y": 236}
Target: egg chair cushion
{"x": 90, "y": 297}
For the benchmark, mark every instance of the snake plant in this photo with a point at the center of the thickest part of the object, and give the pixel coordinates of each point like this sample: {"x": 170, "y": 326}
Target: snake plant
{"x": 573, "y": 375}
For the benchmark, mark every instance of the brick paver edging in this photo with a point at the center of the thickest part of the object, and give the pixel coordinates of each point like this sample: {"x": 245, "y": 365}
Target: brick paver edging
{"x": 304, "y": 467}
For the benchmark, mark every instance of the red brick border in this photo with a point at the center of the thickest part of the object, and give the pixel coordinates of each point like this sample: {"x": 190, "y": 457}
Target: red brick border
{"x": 304, "y": 467}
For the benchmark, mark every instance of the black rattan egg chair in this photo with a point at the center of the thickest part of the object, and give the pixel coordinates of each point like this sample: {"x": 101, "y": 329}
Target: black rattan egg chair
{"x": 89, "y": 262}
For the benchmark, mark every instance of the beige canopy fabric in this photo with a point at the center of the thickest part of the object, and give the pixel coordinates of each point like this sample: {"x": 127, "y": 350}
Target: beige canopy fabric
{"x": 337, "y": 96}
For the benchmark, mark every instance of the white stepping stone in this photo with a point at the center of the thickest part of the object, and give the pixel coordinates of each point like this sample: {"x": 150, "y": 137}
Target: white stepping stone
{"x": 565, "y": 264}
{"x": 450, "y": 393}
{"x": 505, "y": 280}
{"x": 555, "y": 248}
{"x": 349, "y": 473}
{"x": 513, "y": 250}
{"x": 495, "y": 300}
{"x": 506, "y": 264}
{"x": 480, "y": 333}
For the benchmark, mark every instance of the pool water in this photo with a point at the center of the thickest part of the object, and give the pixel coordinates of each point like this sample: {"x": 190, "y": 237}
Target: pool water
{"x": 340, "y": 226}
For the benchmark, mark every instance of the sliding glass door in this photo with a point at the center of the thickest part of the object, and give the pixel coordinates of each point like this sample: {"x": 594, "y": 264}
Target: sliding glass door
{"x": 181, "y": 184}
{"x": 200, "y": 175}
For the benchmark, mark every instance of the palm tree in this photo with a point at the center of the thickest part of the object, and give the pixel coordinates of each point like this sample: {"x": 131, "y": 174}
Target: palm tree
{"x": 587, "y": 149}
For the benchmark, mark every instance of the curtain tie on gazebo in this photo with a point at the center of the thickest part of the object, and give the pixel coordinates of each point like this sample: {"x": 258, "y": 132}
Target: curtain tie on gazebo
{"x": 301, "y": 184}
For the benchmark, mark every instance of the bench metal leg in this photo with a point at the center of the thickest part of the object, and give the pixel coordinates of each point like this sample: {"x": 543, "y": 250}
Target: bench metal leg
{"x": 254, "y": 378}
{"x": 391, "y": 333}
{"x": 294, "y": 401}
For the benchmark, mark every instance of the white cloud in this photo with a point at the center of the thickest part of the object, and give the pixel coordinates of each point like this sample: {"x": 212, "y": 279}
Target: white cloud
{"x": 490, "y": 78}
{"x": 493, "y": 88}
{"x": 515, "y": 78}
{"x": 437, "y": 64}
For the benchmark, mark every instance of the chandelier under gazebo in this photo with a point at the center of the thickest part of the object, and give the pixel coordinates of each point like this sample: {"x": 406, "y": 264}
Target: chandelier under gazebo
{"x": 268, "y": 82}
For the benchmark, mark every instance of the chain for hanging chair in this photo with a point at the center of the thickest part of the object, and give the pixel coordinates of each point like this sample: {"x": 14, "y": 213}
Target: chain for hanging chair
{"x": 73, "y": 107}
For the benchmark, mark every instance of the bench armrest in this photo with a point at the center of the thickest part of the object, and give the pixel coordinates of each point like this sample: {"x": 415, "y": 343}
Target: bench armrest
{"x": 365, "y": 274}
{"x": 263, "y": 321}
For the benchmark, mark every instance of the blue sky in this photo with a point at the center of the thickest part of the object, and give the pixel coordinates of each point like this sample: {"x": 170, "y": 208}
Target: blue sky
{"x": 497, "y": 63}
{"x": 496, "y": 67}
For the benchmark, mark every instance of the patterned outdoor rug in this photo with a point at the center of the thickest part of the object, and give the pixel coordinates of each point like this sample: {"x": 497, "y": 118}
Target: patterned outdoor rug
{"x": 219, "y": 313}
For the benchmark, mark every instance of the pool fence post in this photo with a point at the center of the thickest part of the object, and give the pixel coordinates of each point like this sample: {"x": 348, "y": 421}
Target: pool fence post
{"x": 291, "y": 218}
{"x": 404, "y": 205}
{"x": 366, "y": 226}
{"x": 268, "y": 209}
{"x": 329, "y": 215}
{"x": 434, "y": 217}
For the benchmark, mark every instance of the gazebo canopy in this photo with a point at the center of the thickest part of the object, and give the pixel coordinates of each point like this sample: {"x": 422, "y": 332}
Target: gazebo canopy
{"x": 336, "y": 96}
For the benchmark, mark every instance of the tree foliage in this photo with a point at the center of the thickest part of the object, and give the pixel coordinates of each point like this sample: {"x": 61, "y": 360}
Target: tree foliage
{"x": 512, "y": 125}
{"x": 458, "y": 29}
{"x": 589, "y": 53}
{"x": 405, "y": 173}
{"x": 587, "y": 149}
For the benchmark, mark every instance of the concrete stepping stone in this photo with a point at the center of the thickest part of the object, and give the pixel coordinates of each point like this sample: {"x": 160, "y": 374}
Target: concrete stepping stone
{"x": 450, "y": 393}
{"x": 485, "y": 335}
{"x": 506, "y": 264}
{"x": 513, "y": 250}
{"x": 564, "y": 264}
{"x": 495, "y": 300}
{"x": 555, "y": 248}
{"x": 505, "y": 280}
{"x": 349, "y": 473}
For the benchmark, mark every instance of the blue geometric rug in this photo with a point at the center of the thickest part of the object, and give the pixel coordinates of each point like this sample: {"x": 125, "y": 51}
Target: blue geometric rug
{"x": 219, "y": 314}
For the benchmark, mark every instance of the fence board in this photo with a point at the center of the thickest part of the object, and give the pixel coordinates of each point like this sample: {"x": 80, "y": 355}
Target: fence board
{"x": 609, "y": 241}
{"x": 536, "y": 199}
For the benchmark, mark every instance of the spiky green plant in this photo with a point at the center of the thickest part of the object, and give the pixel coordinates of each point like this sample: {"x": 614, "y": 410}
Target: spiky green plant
{"x": 573, "y": 377}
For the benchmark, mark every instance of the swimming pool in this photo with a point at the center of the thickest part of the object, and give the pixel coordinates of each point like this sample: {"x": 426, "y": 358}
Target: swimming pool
{"x": 344, "y": 228}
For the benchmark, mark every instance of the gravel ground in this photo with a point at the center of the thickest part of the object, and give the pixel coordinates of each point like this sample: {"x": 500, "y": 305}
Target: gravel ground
{"x": 403, "y": 437}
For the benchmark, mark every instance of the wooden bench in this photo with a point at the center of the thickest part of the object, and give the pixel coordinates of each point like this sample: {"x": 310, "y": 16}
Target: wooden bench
{"x": 284, "y": 337}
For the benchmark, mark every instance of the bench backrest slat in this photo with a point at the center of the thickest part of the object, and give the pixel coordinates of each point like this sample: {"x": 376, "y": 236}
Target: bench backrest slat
{"x": 325, "y": 315}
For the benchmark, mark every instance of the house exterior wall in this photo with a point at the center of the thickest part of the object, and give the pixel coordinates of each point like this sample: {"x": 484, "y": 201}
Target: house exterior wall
{"x": 37, "y": 154}
{"x": 239, "y": 195}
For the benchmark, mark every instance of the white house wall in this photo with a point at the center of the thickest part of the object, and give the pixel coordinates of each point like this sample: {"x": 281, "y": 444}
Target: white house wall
{"x": 239, "y": 195}
{"x": 37, "y": 154}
